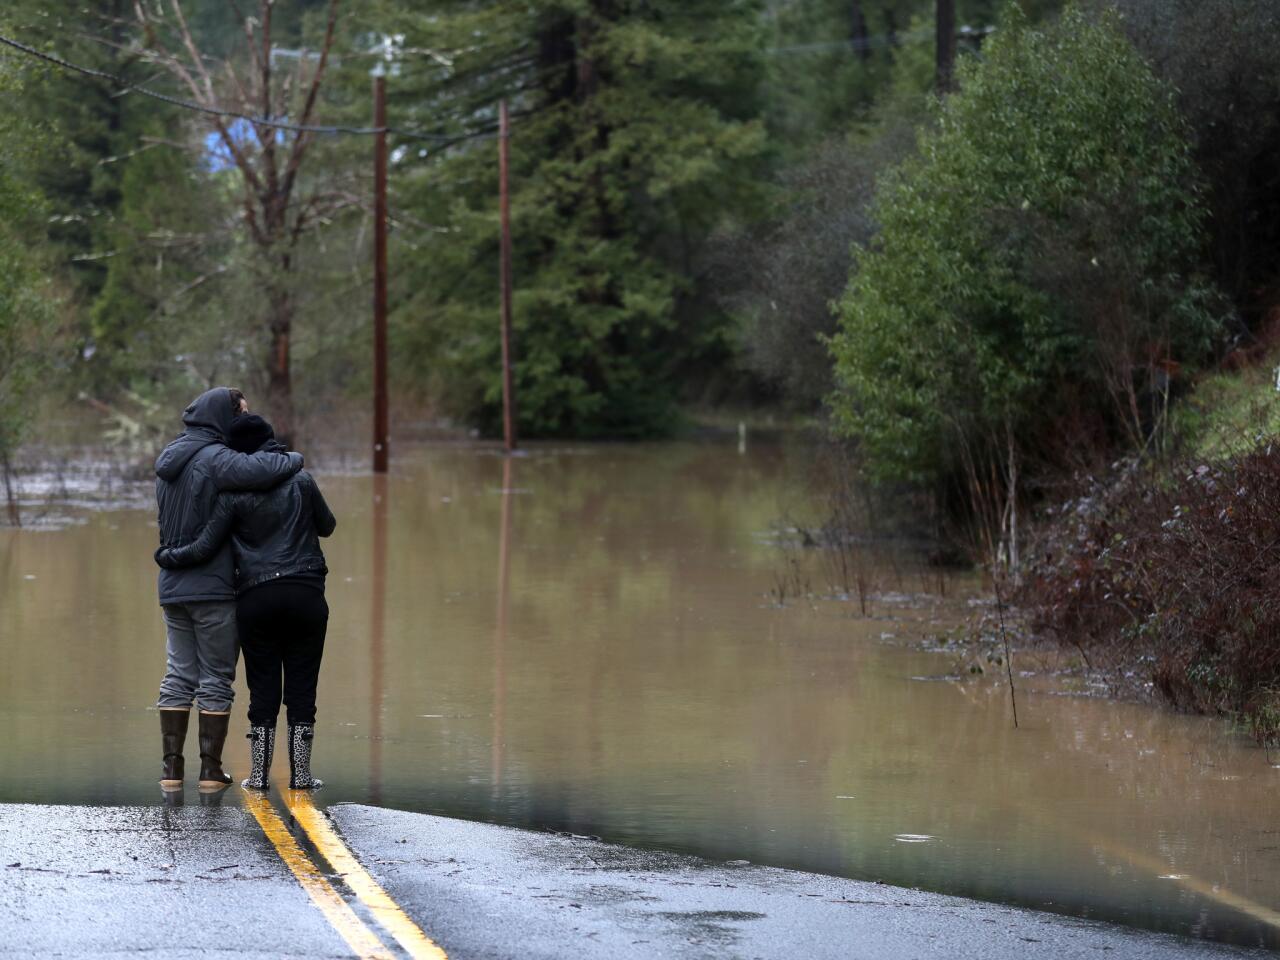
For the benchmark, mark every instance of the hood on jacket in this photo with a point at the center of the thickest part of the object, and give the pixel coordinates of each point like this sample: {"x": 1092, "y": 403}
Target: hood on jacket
{"x": 249, "y": 433}
{"x": 208, "y": 418}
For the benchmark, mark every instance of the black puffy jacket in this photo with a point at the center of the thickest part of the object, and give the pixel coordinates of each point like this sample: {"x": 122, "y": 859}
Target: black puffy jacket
{"x": 273, "y": 534}
{"x": 190, "y": 473}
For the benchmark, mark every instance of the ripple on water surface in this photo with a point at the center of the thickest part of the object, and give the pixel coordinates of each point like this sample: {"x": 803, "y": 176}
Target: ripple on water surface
{"x": 585, "y": 640}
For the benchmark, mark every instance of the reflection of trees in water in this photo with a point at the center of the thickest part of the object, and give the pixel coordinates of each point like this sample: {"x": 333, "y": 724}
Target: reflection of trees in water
{"x": 500, "y": 632}
{"x": 377, "y": 622}
{"x": 610, "y": 554}
{"x": 643, "y": 689}
{"x": 634, "y": 685}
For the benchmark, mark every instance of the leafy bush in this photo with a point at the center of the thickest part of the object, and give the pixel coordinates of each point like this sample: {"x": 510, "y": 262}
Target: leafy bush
{"x": 1178, "y": 572}
{"x": 1033, "y": 267}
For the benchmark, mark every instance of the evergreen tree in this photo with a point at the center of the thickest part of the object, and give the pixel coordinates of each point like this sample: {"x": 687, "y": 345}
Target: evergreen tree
{"x": 27, "y": 310}
{"x": 635, "y": 132}
{"x": 830, "y": 60}
{"x": 98, "y": 132}
{"x": 833, "y": 63}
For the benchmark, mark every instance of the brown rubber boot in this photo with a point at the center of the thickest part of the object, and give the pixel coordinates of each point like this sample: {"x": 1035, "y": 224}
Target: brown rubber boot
{"x": 213, "y": 734}
{"x": 173, "y": 734}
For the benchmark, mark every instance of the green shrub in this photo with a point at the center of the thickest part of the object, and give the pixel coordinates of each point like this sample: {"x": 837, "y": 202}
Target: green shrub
{"x": 1033, "y": 266}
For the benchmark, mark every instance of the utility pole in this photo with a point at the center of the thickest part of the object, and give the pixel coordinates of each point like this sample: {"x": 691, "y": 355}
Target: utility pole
{"x": 504, "y": 207}
{"x": 946, "y": 44}
{"x": 380, "y": 273}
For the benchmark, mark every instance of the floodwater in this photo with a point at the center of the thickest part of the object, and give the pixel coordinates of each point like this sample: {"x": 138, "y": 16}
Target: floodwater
{"x": 583, "y": 639}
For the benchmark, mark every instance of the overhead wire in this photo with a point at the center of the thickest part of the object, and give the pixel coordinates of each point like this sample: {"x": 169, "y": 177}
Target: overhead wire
{"x": 880, "y": 41}
{"x": 443, "y": 139}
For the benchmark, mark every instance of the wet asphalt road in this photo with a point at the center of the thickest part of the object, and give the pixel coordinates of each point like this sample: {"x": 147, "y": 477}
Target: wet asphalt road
{"x": 197, "y": 881}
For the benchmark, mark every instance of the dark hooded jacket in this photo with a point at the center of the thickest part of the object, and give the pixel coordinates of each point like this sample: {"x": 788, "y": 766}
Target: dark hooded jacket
{"x": 190, "y": 473}
{"x": 273, "y": 534}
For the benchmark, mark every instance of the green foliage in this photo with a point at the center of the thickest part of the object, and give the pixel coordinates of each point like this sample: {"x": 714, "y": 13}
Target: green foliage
{"x": 1220, "y": 58}
{"x": 634, "y": 135}
{"x": 27, "y": 314}
{"x": 832, "y": 64}
{"x": 1228, "y": 412}
{"x": 90, "y": 135}
{"x": 830, "y": 60}
{"x": 171, "y": 270}
{"x": 1034, "y": 253}
{"x": 780, "y": 277}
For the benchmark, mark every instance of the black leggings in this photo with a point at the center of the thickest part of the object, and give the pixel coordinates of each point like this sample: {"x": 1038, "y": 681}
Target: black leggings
{"x": 282, "y": 627}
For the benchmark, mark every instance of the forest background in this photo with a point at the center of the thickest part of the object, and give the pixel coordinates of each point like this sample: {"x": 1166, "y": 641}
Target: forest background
{"x": 754, "y": 204}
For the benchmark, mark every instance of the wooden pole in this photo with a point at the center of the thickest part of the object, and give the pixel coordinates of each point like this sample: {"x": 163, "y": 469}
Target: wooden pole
{"x": 946, "y": 44}
{"x": 504, "y": 207}
{"x": 380, "y": 276}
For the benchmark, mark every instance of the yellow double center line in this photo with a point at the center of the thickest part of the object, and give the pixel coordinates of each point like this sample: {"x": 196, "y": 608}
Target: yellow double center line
{"x": 353, "y": 930}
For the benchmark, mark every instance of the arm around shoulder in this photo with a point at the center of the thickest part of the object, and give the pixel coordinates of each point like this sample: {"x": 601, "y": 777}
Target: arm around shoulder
{"x": 253, "y": 471}
{"x": 207, "y": 542}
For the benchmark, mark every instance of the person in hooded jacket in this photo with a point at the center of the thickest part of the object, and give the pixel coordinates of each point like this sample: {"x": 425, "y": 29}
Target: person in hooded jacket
{"x": 198, "y": 601}
{"x": 280, "y": 606}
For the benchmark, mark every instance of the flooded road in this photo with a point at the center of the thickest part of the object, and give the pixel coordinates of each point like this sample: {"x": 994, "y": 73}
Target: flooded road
{"x": 582, "y": 639}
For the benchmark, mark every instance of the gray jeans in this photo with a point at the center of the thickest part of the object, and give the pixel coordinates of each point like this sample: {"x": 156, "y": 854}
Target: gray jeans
{"x": 201, "y": 653}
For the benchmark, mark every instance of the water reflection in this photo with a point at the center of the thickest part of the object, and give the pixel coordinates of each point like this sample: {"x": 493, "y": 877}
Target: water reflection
{"x": 581, "y": 639}
{"x": 500, "y": 633}
{"x": 377, "y": 622}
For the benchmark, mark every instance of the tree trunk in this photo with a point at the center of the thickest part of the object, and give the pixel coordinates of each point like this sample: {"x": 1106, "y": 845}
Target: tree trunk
{"x": 858, "y": 30}
{"x": 279, "y": 398}
{"x": 11, "y": 498}
{"x": 946, "y": 44}
{"x": 1011, "y": 504}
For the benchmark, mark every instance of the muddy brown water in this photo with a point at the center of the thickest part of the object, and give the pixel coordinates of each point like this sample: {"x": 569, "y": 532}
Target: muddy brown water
{"x": 587, "y": 643}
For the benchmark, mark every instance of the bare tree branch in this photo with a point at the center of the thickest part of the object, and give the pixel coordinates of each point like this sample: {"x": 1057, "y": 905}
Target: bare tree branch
{"x": 303, "y": 140}
{"x": 160, "y": 54}
{"x": 273, "y": 212}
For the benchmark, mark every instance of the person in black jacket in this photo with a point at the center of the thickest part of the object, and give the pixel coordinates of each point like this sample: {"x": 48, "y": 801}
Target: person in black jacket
{"x": 280, "y": 603}
{"x": 199, "y": 601}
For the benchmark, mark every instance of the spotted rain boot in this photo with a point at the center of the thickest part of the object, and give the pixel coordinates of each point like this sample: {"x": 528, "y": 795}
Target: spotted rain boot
{"x": 300, "y": 737}
{"x": 173, "y": 734}
{"x": 262, "y": 748}
{"x": 213, "y": 736}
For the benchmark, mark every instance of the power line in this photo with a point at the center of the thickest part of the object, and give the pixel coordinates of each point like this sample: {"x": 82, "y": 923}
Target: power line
{"x": 879, "y": 41}
{"x": 444, "y": 140}
{"x": 126, "y": 87}
{"x": 856, "y": 43}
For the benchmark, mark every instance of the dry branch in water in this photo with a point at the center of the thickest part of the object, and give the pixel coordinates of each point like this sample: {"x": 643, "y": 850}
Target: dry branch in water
{"x": 1171, "y": 582}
